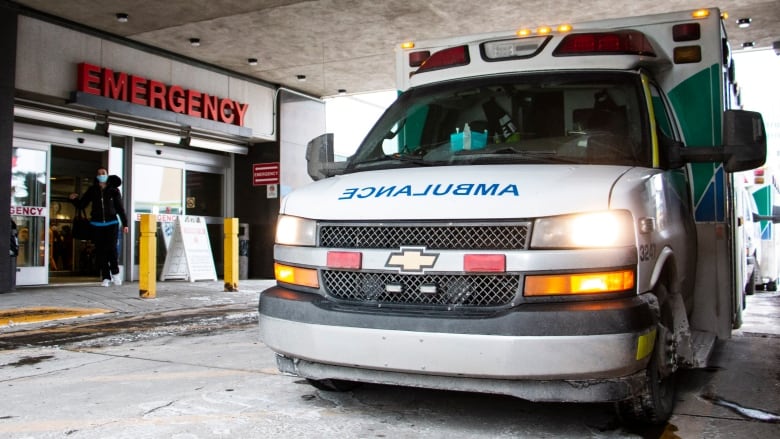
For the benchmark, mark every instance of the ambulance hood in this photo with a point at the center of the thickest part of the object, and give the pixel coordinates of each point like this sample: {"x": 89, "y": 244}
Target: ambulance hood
{"x": 457, "y": 192}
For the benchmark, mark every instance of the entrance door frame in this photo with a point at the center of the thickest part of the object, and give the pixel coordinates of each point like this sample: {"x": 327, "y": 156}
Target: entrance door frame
{"x": 37, "y": 275}
{"x": 152, "y": 161}
{"x": 42, "y": 138}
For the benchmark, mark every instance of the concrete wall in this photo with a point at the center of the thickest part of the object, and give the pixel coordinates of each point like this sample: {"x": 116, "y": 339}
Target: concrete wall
{"x": 300, "y": 119}
{"x": 7, "y": 60}
{"x": 51, "y": 54}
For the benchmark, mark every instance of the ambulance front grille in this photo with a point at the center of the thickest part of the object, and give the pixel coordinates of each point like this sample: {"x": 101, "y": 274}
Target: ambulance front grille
{"x": 427, "y": 289}
{"x": 457, "y": 236}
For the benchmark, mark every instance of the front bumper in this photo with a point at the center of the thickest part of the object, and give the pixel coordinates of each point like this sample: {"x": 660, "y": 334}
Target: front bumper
{"x": 575, "y": 344}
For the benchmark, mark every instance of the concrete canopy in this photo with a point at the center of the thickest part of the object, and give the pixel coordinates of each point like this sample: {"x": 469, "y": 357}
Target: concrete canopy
{"x": 349, "y": 44}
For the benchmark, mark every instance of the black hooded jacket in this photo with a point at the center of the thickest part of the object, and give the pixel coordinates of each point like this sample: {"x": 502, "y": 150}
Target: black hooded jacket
{"x": 106, "y": 203}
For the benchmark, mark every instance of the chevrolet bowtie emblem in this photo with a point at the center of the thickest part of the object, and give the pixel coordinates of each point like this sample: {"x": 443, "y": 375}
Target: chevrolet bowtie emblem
{"x": 412, "y": 259}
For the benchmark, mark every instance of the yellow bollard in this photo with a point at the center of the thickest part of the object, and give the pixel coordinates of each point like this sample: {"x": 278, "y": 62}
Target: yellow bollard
{"x": 147, "y": 262}
{"x": 231, "y": 254}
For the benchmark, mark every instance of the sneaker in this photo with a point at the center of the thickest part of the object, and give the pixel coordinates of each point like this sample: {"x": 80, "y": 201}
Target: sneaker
{"x": 106, "y": 283}
{"x": 117, "y": 279}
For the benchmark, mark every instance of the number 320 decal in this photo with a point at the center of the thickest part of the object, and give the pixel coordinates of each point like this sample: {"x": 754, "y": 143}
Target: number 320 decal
{"x": 646, "y": 252}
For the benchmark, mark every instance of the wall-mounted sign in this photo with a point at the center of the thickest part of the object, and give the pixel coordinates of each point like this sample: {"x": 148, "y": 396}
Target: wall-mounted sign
{"x": 265, "y": 173}
{"x": 101, "y": 81}
{"x": 272, "y": 191}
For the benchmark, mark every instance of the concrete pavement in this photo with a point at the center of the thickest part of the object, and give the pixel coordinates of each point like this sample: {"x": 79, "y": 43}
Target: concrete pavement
{"x": 124, "y": 300}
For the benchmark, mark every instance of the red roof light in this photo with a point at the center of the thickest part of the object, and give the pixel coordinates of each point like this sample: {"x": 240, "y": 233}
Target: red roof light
{"x": 626, "y": 42}
{"x": 451, "y": 57}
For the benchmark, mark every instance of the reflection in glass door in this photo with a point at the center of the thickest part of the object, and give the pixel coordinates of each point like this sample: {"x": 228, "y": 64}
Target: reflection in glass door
{"x": 158, "y": 188}
{"x": 204, "y": 195}
{"x": 30, "y": 212}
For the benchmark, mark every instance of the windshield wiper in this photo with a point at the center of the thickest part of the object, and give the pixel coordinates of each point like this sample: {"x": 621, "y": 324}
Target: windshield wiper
{"x": 394, "y": 157}
{"x": 509, "y": 153}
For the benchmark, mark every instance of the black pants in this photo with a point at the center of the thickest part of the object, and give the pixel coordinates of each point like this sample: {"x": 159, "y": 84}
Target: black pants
{"x": 105, "y": 240}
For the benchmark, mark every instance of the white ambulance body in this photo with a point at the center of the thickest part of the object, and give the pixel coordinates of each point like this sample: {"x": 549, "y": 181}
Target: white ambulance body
{"x": 543, "y": 216}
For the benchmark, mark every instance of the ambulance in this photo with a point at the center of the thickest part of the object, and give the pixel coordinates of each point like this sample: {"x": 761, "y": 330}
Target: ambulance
{"x": 544, "y": 213}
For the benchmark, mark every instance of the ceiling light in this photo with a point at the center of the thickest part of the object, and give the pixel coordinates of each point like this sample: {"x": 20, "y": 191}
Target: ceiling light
{"x": 61, "y": 119}
{"x": 122, "y": 130}
{"x": 218, "y": 146}
{"x": 122, "y": 17}
{"x": 251, "y": 61}
{"x": 301, "y": 78}
{"x": 744, "y": 22}
{"x": 749, "y": 45}
{"x": 195, "y": 42}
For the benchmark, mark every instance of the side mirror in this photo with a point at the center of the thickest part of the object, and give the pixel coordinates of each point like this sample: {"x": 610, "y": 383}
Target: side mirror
{"x": 775, "y": 217}
{"x": 745, "y": 136}
{"x": 744, "y": 144}
{"x": 319, "y": 158}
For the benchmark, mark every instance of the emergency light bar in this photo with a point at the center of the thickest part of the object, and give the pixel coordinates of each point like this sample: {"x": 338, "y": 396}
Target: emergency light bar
{"x": 544, "y": 30}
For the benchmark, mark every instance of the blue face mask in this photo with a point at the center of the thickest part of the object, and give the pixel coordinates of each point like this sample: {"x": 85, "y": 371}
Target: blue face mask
{"x": 102, "y": 178}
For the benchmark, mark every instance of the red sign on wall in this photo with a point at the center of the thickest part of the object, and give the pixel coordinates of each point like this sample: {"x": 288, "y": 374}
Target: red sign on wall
{"x": 265, "y": 173}
{"x": 107, "y": 83}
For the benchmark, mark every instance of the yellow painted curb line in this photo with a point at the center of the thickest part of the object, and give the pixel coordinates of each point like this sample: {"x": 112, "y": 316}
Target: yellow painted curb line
{"x": 19, "y": 316}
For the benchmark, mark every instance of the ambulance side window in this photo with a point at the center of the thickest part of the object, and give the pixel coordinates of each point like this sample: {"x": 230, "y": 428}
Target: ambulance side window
{"x": 663, "y": 119}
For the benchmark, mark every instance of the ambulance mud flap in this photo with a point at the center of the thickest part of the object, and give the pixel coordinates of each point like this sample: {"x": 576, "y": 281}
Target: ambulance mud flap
{"x": 596, "y": 390}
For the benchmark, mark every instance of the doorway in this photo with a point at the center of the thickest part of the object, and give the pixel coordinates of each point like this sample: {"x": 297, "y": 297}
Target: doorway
{"x": 72, "y": 171}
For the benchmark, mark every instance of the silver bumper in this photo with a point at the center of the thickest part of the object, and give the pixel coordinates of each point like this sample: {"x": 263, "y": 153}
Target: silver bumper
{"x": 468, "y": 355}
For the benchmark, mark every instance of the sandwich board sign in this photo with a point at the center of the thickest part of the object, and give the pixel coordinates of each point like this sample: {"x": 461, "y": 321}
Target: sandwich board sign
{"x": 189, "y": 253}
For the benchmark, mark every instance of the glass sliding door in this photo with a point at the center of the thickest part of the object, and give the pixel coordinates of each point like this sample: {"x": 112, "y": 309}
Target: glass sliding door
{"x": 205, "y": 198}
{"x": 158, "y": 188}
{"x": 30, "y": 211}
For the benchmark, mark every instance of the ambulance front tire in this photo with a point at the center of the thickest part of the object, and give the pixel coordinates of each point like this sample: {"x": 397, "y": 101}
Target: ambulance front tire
{"x": 333, "y": 385}
{"x": 655, "y": 403}
{"x": 771, "y": 285}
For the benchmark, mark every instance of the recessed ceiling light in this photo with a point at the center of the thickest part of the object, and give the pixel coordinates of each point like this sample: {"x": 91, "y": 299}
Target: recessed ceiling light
{"x": 195, "y": 42}
{"x": 744, "y": 22}
{"x": 749, "y": 45}
{"x": 301, "y": 78}
{"x": 122, "y": 17}
{"x": 251, "y": 61}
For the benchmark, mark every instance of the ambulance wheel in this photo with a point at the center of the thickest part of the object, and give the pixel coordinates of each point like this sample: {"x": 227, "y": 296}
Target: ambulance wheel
{"x": 332, "y": 385}
{"x": 655, "y": 403}
{"x": 771, "y": 285}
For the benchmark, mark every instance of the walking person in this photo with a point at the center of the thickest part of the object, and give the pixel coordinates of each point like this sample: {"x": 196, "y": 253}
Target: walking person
{"x": 107, "y": 215}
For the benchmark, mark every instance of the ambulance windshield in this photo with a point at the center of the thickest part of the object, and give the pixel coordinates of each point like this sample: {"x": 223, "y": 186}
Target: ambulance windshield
{"x": 577, "y": 117}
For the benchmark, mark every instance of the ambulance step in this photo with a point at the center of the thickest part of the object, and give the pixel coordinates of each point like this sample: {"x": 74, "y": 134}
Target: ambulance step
{"x": 702, "y": 343}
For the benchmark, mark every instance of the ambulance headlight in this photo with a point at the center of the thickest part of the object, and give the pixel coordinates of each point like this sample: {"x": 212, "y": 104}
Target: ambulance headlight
{"x": 293, "y": 230}
{"x": 612, "y": 228}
